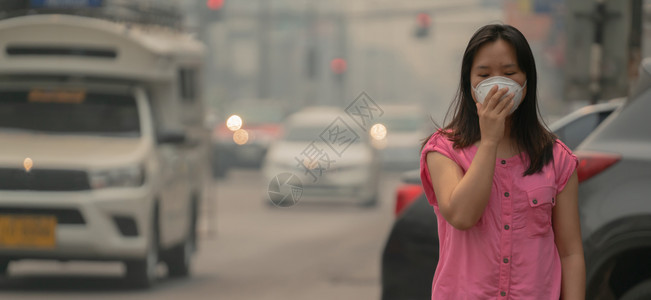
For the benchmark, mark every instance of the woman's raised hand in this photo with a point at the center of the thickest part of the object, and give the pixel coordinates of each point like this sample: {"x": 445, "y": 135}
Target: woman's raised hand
{"x": 493, "y": 113}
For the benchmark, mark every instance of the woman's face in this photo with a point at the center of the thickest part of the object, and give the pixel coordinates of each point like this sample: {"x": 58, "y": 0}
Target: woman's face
{"x": 496, "y": 59}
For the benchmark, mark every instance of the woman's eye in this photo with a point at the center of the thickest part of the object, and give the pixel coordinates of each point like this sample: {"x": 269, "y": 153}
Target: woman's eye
{"x": 509, "y": 74}
{"x": 483, "y": 75}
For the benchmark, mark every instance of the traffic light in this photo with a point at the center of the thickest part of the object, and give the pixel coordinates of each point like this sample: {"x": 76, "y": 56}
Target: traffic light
{"x": 423, "y": 24}
{"x": 214, "y": 10}
{"x": 338, "y": 66}
{"x": 215, "y": 4}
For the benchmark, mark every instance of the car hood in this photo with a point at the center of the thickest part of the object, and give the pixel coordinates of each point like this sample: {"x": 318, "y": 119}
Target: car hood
{"x": 69, "y": 151}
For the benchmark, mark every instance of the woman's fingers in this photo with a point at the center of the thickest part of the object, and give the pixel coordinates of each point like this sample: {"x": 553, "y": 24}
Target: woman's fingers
{"x": 506, "y": 110}
{"x": 490, "y": 94}
{"x": 504, "y": 102}
{"x": 495, "y": 99}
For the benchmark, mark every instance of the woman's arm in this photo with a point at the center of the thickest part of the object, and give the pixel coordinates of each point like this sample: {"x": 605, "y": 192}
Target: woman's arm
{"x": 567, "y": 234}
{"x": 463, "y": 198}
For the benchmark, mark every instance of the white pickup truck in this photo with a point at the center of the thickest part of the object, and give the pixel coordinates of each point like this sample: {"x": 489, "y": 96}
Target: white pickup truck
{"x": 103, "y": 150}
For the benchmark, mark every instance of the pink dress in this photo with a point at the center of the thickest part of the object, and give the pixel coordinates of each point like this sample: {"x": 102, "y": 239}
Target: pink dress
{"x": 510, "y": 253}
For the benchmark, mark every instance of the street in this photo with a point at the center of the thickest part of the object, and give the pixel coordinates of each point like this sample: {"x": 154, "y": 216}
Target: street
{"x": 250, "y": 250}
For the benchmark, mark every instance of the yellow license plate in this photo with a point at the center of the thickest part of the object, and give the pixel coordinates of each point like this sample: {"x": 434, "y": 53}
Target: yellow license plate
{"x": 27, "y": 231}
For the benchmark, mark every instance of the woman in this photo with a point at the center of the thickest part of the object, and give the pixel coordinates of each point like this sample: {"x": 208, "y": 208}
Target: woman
{"x": 503, "y": 187}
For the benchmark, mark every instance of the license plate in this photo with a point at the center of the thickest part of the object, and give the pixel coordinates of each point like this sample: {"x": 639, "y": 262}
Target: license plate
{"x": 27, "y": 231}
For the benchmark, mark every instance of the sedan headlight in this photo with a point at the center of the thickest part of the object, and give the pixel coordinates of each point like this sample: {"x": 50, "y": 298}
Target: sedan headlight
{"x": 132, "y": 176}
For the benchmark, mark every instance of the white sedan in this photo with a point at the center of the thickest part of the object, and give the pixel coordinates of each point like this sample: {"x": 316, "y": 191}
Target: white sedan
{"x": 330, "y": 156}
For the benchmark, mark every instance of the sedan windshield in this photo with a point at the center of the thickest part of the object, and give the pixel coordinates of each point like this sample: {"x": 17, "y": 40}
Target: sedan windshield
{"x": 311, "y": 133}
{"x": 69, "y": 112}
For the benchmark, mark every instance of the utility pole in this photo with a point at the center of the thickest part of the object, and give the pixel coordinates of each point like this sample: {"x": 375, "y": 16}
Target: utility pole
{"x": 264, "y": 49}
{"x": 600, "y": 17}
{"x": 342, "y": 52}
{"x": 602, "y": 36}
{"x": 312, "y": 54}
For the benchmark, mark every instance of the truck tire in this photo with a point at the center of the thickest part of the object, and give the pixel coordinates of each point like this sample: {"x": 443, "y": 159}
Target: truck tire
{"x": 641, "y": 291}
{"x": 4, "y": 267}
{"x": 141, "y": 273}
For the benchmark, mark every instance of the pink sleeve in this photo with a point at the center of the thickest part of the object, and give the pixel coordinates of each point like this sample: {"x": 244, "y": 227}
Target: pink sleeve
{"x": 564, "y": 163}
{"x": 438, "y": 142}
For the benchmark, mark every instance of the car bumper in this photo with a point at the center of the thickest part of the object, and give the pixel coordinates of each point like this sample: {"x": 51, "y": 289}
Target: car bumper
{"x": 97, "y": 235}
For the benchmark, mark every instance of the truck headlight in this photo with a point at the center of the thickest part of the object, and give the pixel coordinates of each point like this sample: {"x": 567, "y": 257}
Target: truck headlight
{"x": 132, "y": 176}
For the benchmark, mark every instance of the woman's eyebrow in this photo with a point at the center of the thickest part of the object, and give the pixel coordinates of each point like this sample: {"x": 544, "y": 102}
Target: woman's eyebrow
{"x": 482, "y": 67}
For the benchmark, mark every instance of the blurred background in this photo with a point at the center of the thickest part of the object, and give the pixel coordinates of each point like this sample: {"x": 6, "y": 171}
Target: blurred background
{"x": 310, "y": 113}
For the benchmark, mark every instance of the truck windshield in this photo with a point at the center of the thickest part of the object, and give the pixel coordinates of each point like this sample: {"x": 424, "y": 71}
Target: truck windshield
{"x": 69, "y": 112}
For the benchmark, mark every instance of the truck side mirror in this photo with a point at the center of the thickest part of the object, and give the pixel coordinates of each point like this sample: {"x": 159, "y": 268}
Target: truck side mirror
{"x": 171, "y": 137}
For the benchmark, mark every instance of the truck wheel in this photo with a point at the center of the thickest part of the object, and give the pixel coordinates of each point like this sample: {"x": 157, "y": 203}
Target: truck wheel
{"x": 179, "y": 258}
{"x": 4, "y": 267}
{"x": 141, "y": 273}
{"x": 641, "y": 291}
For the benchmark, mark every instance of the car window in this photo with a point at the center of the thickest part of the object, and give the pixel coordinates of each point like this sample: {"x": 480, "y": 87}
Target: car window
{"x": 575, "y": 132}
{"x": 603, "y": 115}
{"x": 69, "y": 112}
{"x": 303, "y": 133}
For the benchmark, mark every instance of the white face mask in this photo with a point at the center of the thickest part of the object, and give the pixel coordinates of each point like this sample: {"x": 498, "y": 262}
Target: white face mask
{"x": 482, "y": 89}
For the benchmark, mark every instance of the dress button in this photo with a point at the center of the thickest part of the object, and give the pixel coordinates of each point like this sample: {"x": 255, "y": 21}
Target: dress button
{"x": 506, "y": 194}
{"x": 503, "y": 293}
{"x": 506, "y": 227}
{"x": 506, "y": 260}
{"x": 504, "y": 162}
{"x": 535, "y": 201}
{"x": 552, "y": 199}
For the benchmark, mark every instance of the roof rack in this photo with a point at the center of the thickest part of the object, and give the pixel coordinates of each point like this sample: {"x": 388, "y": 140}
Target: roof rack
{"x": 145, "y": 12}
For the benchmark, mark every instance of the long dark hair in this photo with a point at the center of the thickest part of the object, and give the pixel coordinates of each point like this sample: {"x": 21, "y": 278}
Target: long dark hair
{"x": 527, "y": 128}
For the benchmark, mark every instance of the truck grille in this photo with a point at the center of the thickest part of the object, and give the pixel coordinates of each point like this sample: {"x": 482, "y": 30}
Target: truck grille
{"x": 43, "y": 180}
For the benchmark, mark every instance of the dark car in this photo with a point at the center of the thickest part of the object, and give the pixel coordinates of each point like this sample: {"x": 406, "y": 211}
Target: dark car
{"x": 615, "y": 199}
{"x": 246, "y": 146}
{"x": 411, "y": 253}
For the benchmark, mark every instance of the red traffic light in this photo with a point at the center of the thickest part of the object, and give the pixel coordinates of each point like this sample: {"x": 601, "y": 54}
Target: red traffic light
{"x": 338, "y": 65}
{"x": 215, "y": 4}
{"x": 424, "y": 20}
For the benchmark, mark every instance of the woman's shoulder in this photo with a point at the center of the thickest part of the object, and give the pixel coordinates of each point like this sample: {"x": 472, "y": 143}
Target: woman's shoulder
{"x": 565, "y": 163}
{"x": 440, "y": 138}
{"x": 560, "y": 149}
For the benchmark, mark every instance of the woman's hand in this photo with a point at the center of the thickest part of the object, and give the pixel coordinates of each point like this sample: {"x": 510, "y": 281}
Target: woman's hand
{"x": 493, "y": 113}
